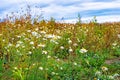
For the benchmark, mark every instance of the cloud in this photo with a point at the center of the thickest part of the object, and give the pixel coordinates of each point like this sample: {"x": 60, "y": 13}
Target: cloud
{"x": 9, "y": 3}
{"x": 99, "y": 5}
{"x": 63, "y": 8}
{"x": 100, "y": 19}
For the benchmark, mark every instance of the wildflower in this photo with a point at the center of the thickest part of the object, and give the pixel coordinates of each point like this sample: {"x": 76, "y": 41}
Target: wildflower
{"x": 98, "y": 73}
{"x": 75, "y": 44}
{"x": 13, "y": 38}
{"x": 83, "y": 50}
{"x": 58, "y": 59}
{"x": 14, "y": 26}
{"x": 26, "y": 39}
{"x": 40, "y": 68}
{"x": 33, "y": 64}
{"x": 104, "y": 68}
{"x": 19, "y": 25}
{"x": 58, "y": 31}
{"x": 38, "y": 36}
{"x": 118, "y": 35}
{"x": 37, "y": 29}
{"x": 56, "y": 42}
{"x": 18, "y": 36}
{"x": 61, "y": 68}
{"x": 61, "y": 47}
{"x": 53, "y": 73}
{"x": 75, "y": 63}
{"x": 44, "y": 39}
{"x": 70, "y": 50}
{"x": 18, "y": 51}
{"x": 23, "y": 34}
{"x": 3, "y": 40}
{"x": 55, "y": 57}
{"x": 15, "y": 68}
{"x": 8, "y": 50}
{"x": 35, "y": 34}
{"x": 48, "y": 56}
{"x": 44, "y": 52}
{"x": 41, "y": 45}
{"x": 19, "y": 42}
{"x": 114, "y": 44}
{"x": 58, "y": 37}
{"x": 43, "y": 32}
{"x": 69, "y": 41}
{"x": 23, "y": 46}
{"x": 28, "y": 30}
{"x": 33, "y": 47}
{"x": 9, "y": 45}
{"x": 52, "y": 36}
{"x": 116, "y": 75}
{"x": 17, "y": 45}
{"x": 0, "y": 34}
{"x": 49, "y": 36}
{"x": 29, "y": 52}
{"x": 111, "y": 77}
{"x": 31, "y": 42}
{"x": 52, "y": 40}
{"x": 96, "y": 79}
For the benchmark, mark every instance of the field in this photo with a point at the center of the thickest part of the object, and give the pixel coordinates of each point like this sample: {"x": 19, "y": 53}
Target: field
{"x": 49, "y": 50}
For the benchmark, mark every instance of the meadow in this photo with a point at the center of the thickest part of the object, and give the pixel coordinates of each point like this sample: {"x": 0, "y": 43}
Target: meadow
{"x": 49, "y": 50}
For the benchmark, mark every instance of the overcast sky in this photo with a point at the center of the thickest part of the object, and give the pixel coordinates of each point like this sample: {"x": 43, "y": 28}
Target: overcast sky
{"x": 104, "y": 10}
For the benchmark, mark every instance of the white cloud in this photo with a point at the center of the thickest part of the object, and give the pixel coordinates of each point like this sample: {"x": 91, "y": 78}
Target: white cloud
{"x": 10, "y": 3}
{"x": 99, "y": 5}
{"x": 100, "y": 19}
{"x": 108, "y": 18}
{"x": 57, "y": 10}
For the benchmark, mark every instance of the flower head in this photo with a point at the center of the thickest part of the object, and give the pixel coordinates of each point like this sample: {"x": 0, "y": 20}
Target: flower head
{"x": 98, "y": 73}
{"x": 44, "y": 52}
{"x": 35, "y": 34}
{"x": 61, "y": 47}
{"x": 118, "y": 35}
{"x": 41, "y": 45}
{"x": 70, "y": 50}
{"x": 31, "y": 42}
{"x": 83, "y": 50}
{"x": 40, "y": 68}
{"x": 69, "y": 41}
{"x": 104, "y": 68}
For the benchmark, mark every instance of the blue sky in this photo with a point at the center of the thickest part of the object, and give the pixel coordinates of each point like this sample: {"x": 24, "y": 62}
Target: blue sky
{"x": 104, "y": 10}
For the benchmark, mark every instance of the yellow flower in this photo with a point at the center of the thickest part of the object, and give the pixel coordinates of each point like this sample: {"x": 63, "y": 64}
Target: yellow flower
{"x": 95, "y": 79}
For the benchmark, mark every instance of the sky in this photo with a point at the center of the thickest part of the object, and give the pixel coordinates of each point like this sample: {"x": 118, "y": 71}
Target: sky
{"x": 65, "y": 10}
